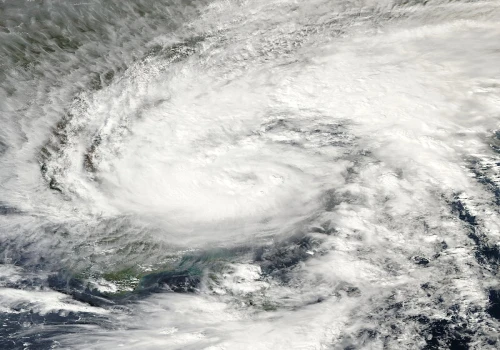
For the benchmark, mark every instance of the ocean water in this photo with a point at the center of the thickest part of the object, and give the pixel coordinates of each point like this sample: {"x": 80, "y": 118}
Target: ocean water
{"x": 249, "y": 174}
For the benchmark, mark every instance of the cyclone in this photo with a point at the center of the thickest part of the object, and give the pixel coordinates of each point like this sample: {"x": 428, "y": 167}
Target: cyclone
{"x": 249, "y": 174}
